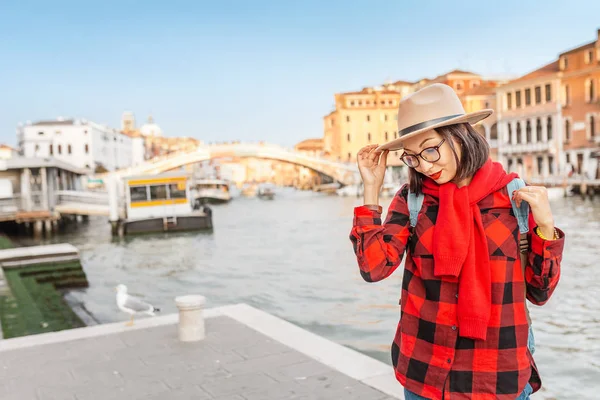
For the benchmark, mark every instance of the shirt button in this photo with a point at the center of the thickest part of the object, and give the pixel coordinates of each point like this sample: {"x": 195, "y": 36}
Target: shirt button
{"x": 456, "y": 295}
{"x": 453, "y": 327}
{"x": 449, "y": 360}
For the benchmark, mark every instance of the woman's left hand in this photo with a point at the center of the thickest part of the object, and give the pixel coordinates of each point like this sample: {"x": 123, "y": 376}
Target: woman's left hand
{"x": 537, "y": 197}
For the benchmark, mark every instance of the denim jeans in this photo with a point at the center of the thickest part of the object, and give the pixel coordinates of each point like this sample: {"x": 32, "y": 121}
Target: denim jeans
{"x": 408, "y": 395}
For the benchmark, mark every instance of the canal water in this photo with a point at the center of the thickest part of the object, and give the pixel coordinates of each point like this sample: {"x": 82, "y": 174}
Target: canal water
{"x": 292, "y": 257}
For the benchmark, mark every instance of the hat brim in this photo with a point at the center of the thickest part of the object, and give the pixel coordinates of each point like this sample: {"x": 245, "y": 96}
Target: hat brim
{"x": 471, "y": 118}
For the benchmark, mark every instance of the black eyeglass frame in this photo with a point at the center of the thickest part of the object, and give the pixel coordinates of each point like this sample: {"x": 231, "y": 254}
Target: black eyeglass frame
{"x": 417, "y": 156}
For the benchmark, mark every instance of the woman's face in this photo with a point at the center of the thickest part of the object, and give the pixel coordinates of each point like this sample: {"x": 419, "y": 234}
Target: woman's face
{"x": 442, "y": 170}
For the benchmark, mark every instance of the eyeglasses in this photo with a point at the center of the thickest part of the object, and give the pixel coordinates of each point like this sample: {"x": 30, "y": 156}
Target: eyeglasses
{"x": 430, "y": 154}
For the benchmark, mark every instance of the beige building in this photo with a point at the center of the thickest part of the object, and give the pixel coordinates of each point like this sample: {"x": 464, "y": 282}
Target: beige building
{"x": 362, "y": 118}
{"x": 530, "y": 123}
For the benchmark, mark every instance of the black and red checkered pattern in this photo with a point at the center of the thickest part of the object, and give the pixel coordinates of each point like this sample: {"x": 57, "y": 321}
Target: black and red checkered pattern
{"x": 429, "y": 357}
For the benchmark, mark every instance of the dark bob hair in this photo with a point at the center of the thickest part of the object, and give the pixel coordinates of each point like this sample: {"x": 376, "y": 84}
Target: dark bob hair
{"x": 475, "y": 151}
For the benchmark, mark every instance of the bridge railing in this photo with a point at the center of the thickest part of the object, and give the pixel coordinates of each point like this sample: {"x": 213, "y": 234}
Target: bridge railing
{"x": 75, "y": 196}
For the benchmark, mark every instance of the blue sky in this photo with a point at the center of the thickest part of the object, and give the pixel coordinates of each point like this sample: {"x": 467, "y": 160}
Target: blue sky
{"x": 256, "y": 70}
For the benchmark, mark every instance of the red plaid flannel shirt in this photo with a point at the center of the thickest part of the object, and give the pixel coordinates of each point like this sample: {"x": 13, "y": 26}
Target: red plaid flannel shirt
{"x": 428, "y": 356}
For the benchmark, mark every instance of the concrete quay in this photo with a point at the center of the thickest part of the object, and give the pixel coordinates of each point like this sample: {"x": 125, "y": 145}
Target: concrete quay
{"x": 247, "y": 354}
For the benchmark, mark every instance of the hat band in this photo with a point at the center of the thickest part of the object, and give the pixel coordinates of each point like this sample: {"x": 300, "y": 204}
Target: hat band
{"x": 425, "y": 124}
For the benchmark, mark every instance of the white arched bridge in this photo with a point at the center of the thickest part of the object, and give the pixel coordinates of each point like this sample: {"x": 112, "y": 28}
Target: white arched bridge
{"x": 345, "y": 174}
{"x": 97, "y": 203}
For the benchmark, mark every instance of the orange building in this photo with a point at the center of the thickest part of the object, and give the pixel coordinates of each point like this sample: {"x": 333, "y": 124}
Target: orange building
{"x": 370, "y": 116}
{"x": 580, "y": 76}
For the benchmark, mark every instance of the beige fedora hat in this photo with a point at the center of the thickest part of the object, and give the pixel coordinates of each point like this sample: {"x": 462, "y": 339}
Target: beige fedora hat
{"x": 433, "y": 106}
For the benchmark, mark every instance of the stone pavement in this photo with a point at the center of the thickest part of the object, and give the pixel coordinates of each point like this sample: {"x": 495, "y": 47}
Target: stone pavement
{"x": 234, "y": 362}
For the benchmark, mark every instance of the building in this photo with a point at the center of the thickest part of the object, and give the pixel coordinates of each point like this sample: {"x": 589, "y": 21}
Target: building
{"x": 7, "y": 152}
{"x": 370, "y": 115}
{"x": 530, "y": 123}
{"x": 311, "y": 147}
{"x": 580, "y": 76}
{"x": 81, "y": 143}
{"x": 361, "y": 118}
{"x": 154, "y": 144}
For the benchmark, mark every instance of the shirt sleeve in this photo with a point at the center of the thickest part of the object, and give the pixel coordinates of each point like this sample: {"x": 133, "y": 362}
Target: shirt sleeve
{"x": 543, "y": 267}
{"x": 379, "y": 248}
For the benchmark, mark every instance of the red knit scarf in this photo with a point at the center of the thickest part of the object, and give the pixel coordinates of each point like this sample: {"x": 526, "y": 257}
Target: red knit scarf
{"x": 460, "y": 246}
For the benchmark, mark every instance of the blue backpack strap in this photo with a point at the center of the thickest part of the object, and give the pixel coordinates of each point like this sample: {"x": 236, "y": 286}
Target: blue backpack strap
{"x": 522, "y": 213}
{"x": 415, "y": 202}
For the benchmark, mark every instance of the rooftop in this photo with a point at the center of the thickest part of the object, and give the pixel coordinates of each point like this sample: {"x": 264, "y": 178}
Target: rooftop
{"x": 38, "y": 162}
{"x": 547, "y": 69}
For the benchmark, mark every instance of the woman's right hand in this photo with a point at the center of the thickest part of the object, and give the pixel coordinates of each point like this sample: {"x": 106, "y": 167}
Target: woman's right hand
{"x": 371, "y": 165}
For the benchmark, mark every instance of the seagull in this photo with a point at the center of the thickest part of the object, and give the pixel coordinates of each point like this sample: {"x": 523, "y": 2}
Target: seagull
{"x": 132, "y": 305}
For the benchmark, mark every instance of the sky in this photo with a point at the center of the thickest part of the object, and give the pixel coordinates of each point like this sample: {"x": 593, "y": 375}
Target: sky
{"x": 257, "y": 70}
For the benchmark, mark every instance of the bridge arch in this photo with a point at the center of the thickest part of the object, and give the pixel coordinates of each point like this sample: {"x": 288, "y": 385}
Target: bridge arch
{"x": 339, "y": 172}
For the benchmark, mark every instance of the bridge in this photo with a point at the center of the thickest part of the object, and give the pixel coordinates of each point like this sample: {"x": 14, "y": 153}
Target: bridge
{"x": 345, "y": 174}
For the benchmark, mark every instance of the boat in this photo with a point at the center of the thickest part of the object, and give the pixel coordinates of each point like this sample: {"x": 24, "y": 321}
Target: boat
{"x": 265, "y": 192}
{"x": 161, "y": 203}
{"x": 211, "y": 191}
{"x": 249, "y": 189}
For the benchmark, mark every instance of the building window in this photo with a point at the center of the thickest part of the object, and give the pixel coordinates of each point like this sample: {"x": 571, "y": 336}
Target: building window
{"x": 59, "y": 149}
{"x": 382, "y": 102}
{"x": 567, "y": 95}
{"x": 591, "y": 90}
{"x": 551, "y": 165}
{"x": 385, "y": 117}
{"x": 386, "y": 136}
{"x": 518, "y": 132}
{"x": 368, "y": 102}
{"x": 360, "y": 102}
{"x": 494, "y": 132}
{"x": 347, "y": 118}
{"x": 458, "y": 85}
{"x": 69, "y": 149}
{"x": 368, "y": 118}
{"x": 369, "y": 137}
{"x": 589, "y": 56}
{"x": 548, "y": 93}
{"x": 538, "y": 130}
{"x": 87, "y": 148}
{"x": 567, "y": 131}
{"x": 390, "y": 102}
{"x": 549, "y": 127}
{"x": 528, "y": 132}
{"x": 51, "y": 149}
{"x": 592, "y": 126}
{"x": 349, "y": 156}
{"x": 474, "y": 84}
{"x": 540, "y": 165}
{"x": 510, "y": 133}
{"x": 564, "y": 63}
{"x": 527, "y": 97}
{"x": 352, "y": 103}
{"x": 538, "y": 94}
{"x": 508, "y": 101}
{"x": 40, "y": 133}
{"x": 518, "y": 98}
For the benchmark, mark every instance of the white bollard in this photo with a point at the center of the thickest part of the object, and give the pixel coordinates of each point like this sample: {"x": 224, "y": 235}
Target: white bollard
{"x": 191, "y": 320}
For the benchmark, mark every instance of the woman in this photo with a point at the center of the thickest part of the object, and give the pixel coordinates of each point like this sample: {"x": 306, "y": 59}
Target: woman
{"x": 463, "y": 330}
